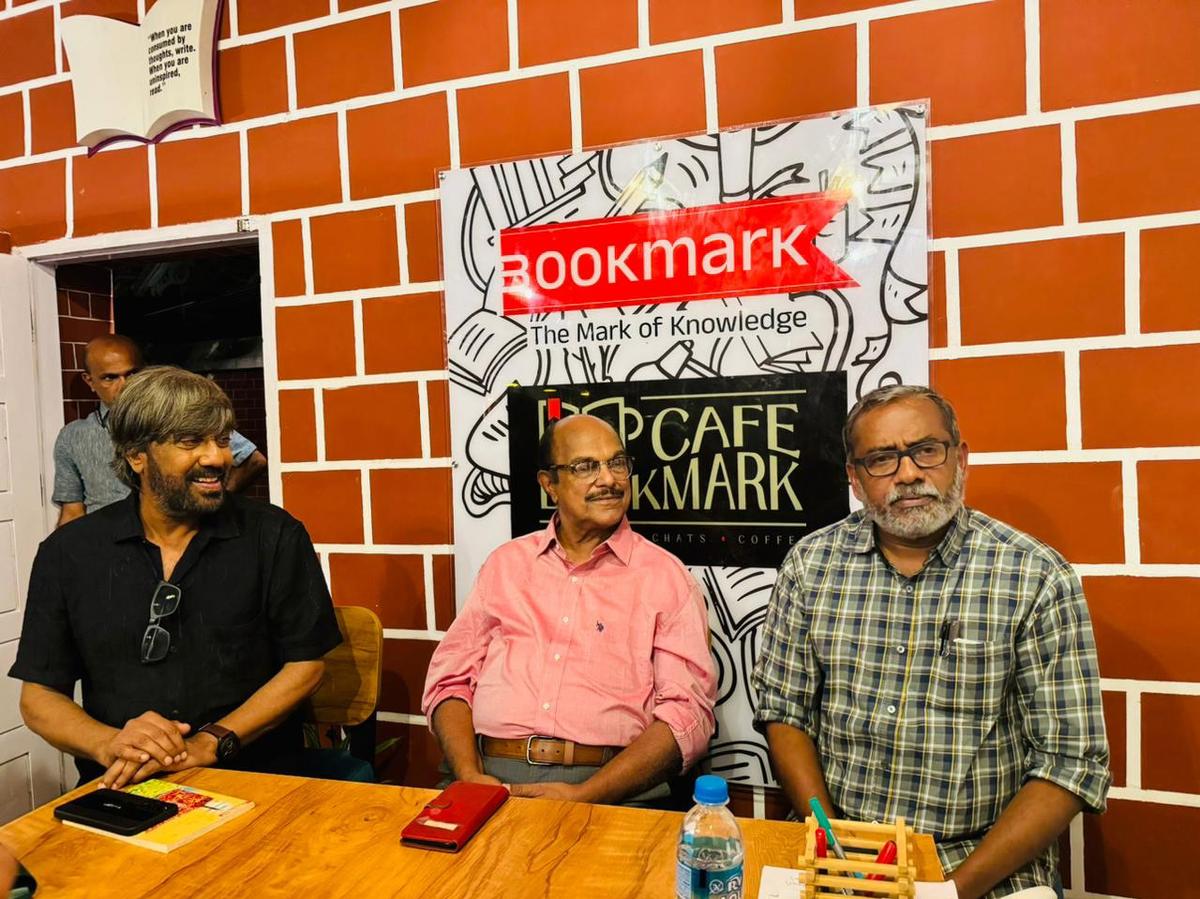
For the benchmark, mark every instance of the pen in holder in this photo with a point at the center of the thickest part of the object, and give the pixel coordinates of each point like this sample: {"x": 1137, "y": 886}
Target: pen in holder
{"x": 833, "y": 878}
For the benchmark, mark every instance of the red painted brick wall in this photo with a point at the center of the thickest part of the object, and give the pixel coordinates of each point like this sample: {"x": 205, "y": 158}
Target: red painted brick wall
{"x": 1064, "y": 316}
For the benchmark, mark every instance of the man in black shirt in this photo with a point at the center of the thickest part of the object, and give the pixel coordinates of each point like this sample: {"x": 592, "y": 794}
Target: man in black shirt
{"x": 195, "y": 619}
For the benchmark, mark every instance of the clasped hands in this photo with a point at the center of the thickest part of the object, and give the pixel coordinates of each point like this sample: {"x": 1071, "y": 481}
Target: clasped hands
{"x": 149, "y": 744}
{"x": 548, "y": 790}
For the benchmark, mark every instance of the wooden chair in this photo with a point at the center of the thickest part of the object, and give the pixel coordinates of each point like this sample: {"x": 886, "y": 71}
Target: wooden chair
{"x": 347, "y": 697}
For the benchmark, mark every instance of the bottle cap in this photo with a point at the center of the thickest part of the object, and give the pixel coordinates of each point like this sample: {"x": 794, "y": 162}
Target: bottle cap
{"x": 711, "y": 790}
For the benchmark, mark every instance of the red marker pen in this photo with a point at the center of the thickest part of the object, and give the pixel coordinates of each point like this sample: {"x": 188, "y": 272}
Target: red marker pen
{"x": 821, "y": 841}
{"x": 887, "y": 856}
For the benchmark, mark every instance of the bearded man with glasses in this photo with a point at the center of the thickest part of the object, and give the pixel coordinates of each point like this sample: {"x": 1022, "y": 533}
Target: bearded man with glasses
{"x": 924, "y": 660}
{"x": 195, "y": 618}
{"x": 579, "y": 667}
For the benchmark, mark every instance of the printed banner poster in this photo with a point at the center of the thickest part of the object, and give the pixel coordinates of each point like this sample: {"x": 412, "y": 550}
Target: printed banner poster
{"x": 785, "y": 261}
{"x": 728, "y": 471}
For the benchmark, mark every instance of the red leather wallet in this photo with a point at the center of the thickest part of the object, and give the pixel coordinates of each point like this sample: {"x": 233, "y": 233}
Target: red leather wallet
{"x": 452, "y": 817}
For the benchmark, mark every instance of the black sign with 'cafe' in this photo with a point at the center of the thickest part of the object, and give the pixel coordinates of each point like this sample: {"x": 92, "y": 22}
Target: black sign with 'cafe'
{"x": 727, "y": 471}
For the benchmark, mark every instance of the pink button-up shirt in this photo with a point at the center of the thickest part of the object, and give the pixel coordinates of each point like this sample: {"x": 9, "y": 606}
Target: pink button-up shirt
{"x": 592, "y": 653}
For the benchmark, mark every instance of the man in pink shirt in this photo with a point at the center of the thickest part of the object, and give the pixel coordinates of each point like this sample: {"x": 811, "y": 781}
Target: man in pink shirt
{"x": 579, "y": 667}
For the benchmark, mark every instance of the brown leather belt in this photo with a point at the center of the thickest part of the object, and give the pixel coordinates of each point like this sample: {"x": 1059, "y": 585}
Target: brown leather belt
{"x": 538, "y": 750}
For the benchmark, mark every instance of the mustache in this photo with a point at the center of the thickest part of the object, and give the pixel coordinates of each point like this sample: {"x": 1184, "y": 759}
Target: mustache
{"x": 610, "y": 493}
{"x": 912, "y": 491}
{"x": 208, "y": 471}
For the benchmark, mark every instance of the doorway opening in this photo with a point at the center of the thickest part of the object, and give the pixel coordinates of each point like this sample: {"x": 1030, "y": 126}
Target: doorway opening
{"x": 199, "y": 309}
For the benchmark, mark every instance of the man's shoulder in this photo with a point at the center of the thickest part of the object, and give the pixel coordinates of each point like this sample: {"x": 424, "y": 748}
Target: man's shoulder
{"x": 834, "y": 538}
{"x": 988, "y": 533}
{"x": 257, "y": 514}
{"x": 73, "y": 433}
{"x": 648, "y": 553}
{"x": 87, "y": 530}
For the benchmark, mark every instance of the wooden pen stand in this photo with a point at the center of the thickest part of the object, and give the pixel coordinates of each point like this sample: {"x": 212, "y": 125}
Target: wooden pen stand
{"x": 833, "y": 878}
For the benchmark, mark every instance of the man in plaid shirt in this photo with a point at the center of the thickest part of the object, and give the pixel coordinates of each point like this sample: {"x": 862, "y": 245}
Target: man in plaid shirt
{"x": 923, "y": 660}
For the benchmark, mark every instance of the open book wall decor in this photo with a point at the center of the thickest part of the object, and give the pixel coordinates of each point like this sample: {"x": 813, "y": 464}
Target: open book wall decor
{"x": 141, "y": 82}
{"x": 834, "y": 878}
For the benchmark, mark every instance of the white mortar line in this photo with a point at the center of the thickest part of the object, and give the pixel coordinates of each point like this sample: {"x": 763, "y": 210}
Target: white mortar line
{"x": 862, "y": 37}
{"x": 430, "y": 606}
{"x": 1074, "y": 402}
{"x": 319, "y": 422}
{"x": 1033, "y": 57}
{"x": 709, "y": 63}
{"x": 643, "y": 23}
{"x": 1133, "y": 279}
{"x": 576, "y": 110}
{"x": 953, "y": 302}
{"x": 423, "y": 415}
{"x": 1070, "y": 188}
{"x": 1133, "y": 739}
{"x": 152, "y": 177}
{"x": 1130, "y": 504}
{"x": 514, "y": 50}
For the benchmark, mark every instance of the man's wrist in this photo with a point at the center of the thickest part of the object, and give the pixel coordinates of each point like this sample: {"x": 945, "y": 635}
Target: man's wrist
{"x": 204, "y": 745}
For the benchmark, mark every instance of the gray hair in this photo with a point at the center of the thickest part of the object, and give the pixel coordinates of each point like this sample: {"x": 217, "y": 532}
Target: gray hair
{"x": 883, "y": 396}
{"x": 162, "y": 404}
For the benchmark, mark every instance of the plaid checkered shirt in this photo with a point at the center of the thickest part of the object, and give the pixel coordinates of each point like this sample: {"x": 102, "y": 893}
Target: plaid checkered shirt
{"x": 937, "y": 697}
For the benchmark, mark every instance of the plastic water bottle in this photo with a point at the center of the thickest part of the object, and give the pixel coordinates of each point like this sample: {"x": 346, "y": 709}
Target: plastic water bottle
{"x": 709, "y": 855}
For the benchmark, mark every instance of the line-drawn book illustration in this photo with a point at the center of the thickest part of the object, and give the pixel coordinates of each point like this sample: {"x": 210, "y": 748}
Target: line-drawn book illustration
{"x": 140, "y": 82}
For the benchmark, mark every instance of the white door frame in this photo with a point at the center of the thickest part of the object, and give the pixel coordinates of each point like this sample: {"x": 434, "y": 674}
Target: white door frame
{"x": 123, "y": 244}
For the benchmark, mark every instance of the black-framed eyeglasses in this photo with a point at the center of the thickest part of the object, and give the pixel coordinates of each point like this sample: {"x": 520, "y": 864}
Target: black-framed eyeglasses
{"x": 156, "y": 641}
{"x": 620, "y": 466}
{"x": 885, "y": 463}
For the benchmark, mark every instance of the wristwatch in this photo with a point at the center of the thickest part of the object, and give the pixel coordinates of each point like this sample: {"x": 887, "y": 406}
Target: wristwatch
{"x": 228, "y": 743}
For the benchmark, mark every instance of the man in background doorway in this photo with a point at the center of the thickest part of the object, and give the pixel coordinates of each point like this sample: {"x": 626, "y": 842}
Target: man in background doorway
{"x": 84, "y": 480}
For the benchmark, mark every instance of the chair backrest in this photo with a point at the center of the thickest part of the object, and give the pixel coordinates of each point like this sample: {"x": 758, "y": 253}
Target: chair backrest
{"x": 350, "y": 690}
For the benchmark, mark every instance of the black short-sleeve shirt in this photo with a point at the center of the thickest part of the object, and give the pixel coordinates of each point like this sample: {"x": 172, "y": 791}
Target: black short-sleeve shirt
{"x": 253, "y": 598}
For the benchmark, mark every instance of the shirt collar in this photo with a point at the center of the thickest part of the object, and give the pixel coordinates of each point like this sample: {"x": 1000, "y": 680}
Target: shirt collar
{"x": 620, "y": 542}
{"x": 102, "y": 415}
{"x": 861, "y": 537}
{"x": 221, "y": 524}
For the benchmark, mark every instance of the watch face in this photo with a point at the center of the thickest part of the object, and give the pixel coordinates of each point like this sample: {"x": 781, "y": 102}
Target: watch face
{"x": 227, "y": 747}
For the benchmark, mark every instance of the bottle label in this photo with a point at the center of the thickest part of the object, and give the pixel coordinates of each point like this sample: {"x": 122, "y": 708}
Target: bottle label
{"x": 697, "y": 883}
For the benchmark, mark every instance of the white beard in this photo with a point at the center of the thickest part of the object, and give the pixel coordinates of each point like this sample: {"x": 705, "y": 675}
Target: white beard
{"x": 913, "y": 524}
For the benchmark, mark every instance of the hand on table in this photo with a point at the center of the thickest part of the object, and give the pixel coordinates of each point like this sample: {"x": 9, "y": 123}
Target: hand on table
{"x": 201, "y": 752}
{"x": 481, "y": 778}
{"x": 549, "y": 790}
{"x": 147, "y": 741}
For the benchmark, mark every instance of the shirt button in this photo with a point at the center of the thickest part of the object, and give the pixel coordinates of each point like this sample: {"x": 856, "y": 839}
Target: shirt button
{"x": 908, "y": 589}
{"x": 574, "y": 580}
{"x": 565, "y": 619}
{"x": 900, "y": 649}
{"x": 545, "y": 706}
{"x": 891, "y": 710}
{"x": 557, "y": 657}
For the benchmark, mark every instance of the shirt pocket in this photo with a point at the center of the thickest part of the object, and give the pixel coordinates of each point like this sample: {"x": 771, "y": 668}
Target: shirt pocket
{"x": 970, "y": 679}
{"x": 619, "y": 653}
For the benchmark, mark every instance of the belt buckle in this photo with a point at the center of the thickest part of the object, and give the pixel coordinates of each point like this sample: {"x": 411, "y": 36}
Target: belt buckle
{"x": 529, "y": 748}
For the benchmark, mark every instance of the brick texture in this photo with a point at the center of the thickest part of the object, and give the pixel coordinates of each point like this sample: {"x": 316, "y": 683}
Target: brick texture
{"x": 937, "y": 299}
{"x": 12, "y": 126}
{"x": 1147, "y": 867}
{"x": 514, "y": 119}
{"x": 297, "y": 426}
{"x": 253, "y": 80}
{"x": 1125, "y": 403}
{"x": 1144, "y": 626}
{"x": 405, "y": 333}
{"x": 1035, "y": 384}
{"x": 1042, "y": 290}
{"x": 199, "y": 179}
{"x": 411, "y": 506}
{"x": 350, "y": 59}
{"x": 112, "y": 191}
{"x": 453, "y": 39}
{"x": 51, "y": 117}
{"x": 294, "y": 164}
{"x": 422, "y": 239}
{"x": 1049, "y": 500}
{"x": 997, "y": 182}
{"x": 1114, "y": 724}
{"x": 1168, "y": 723}
{"x": 1140, "y": 164}
{"x": 315, "y": 341}
{"x": 669, "y": 92}
{"x": 263, "y": 16}
{"x": 328, "y": 502}
{"x": 1165, "y": 522}
{"x": 404, "y": 665}
{"x": 1168, "y": 294}
{"x": 770, "y": 79}
{"x": 355, "y": 249}
{"x": 28, "y": 42}
{"x": 969, "y": 61}
{"x": 380, "y": 164}
{"x": 355, "y": 429}
{"x": 288, "y": 240}
{"x": 677, "y": 20}
{"x": 392, "y": 586}
{"x": 552, "y": 30}
{"x": 1116, "y": 52}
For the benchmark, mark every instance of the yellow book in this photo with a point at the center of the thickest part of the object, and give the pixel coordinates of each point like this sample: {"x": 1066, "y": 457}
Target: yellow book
{"x": 200, "y": 811}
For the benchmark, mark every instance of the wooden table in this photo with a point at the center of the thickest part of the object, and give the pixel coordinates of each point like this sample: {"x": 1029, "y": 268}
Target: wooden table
{"x": 318, "y": 838}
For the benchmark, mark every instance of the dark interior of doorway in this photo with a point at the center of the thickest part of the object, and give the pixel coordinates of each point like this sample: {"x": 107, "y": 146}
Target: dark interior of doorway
{"x": 198, "y": 309}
